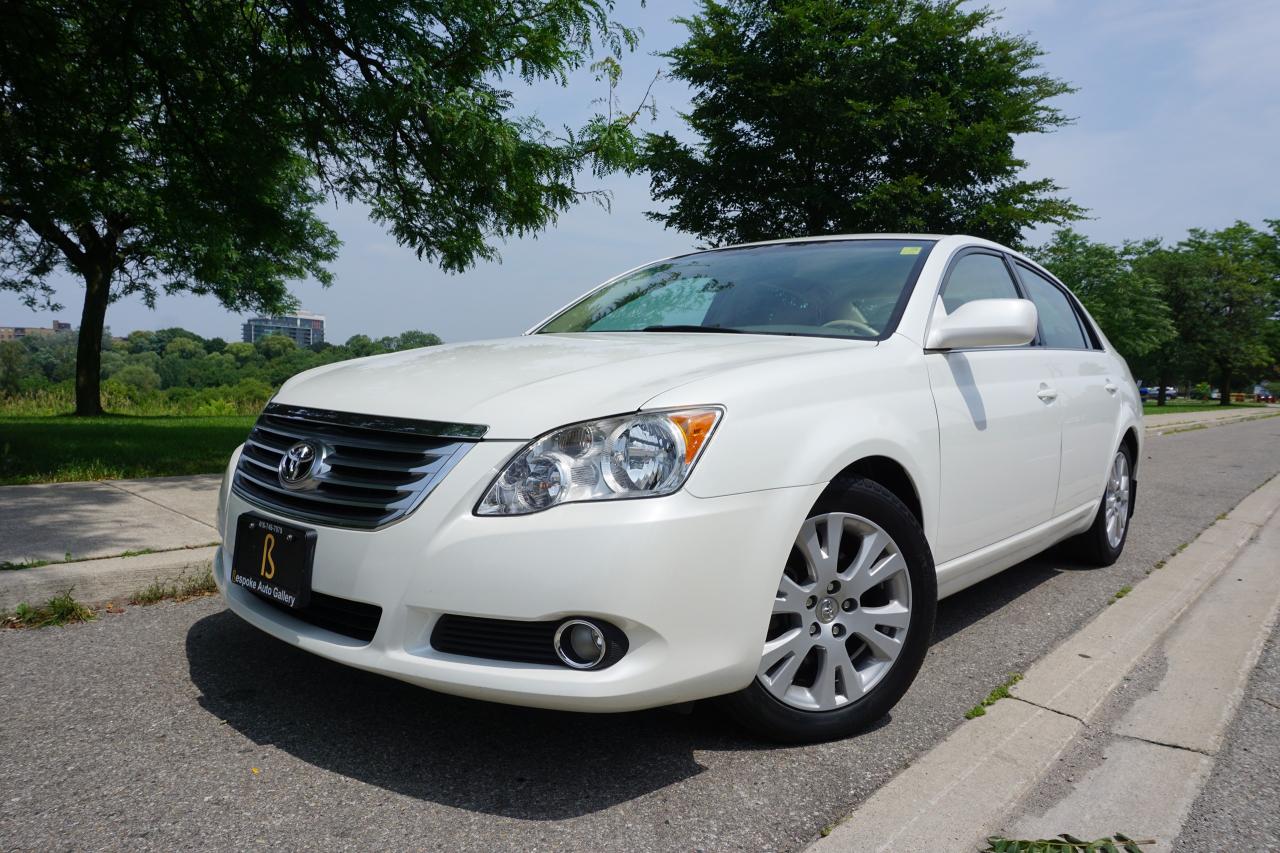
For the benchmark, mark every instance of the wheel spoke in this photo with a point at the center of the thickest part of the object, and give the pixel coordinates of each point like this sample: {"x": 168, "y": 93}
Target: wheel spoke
{"x": 849, "y": 675}
{"x": 877, "y": 574}
{"x": 872, "y": 545}
{"x": 894, "y": 615}
{"x": 789, "y": 649}
{"x": 811, "y": 547}
{"x": 883, "y": 647}
{"x": 824, "y": 686}
{"x": 791, "y": 597}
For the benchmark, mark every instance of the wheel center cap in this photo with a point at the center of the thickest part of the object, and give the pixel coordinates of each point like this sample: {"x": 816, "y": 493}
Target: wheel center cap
{"x": 827, "y": 609}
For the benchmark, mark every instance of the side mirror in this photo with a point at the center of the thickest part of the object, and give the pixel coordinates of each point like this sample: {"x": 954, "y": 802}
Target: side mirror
{"x": 984, "y": 323}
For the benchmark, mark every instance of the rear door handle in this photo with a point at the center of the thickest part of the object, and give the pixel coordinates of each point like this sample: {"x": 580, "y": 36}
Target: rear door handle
{"x": 1047, "y": 394}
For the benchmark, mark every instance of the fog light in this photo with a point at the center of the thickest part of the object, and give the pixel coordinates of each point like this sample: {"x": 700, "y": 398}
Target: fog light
{"x": 580, "y": 644}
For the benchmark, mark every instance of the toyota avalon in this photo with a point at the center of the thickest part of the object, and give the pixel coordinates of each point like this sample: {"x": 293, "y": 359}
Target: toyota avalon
{"x": 745, "y": 474}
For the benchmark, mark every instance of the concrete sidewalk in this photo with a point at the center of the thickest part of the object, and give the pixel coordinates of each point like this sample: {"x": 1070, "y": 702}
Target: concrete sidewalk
{"x": 81, "y": 521}
{"x": 104, "y": 540}
{"x": 1118, "y": 728}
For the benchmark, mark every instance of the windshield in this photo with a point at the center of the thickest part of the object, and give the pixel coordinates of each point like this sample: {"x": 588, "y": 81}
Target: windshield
{"x": 837, "y": 288}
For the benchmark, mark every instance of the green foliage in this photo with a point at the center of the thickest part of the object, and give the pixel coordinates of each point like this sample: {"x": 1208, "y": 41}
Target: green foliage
{"x": 59, "y": 610}
{"x": 166, "y": 147}
{"x": 1223, "y": 293}
{"x": 828, "y": 116}
{"x": 1001, "y": 692}
{"x": 1065, "y": 843}
{"x": 178, "y": 589}
{"x": 171, "y": 371}
{"x": 1128, "y": 305}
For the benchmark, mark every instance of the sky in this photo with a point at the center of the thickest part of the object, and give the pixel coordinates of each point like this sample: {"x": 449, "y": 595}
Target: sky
{"x": 1177, "y": 125}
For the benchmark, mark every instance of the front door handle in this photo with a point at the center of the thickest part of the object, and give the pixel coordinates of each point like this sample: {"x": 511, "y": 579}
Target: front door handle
{"x": 1047, "y": 394}
{"x": 1111, "y": 387}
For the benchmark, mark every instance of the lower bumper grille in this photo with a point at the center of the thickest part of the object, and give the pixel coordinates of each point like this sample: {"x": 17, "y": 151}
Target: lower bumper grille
{"x": 353, "y": 619}
{"x": 496, "y": 639}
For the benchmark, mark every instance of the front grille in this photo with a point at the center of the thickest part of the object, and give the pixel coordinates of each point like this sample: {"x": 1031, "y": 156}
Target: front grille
{"x": 496, "y": 639}
{"x": 367, "y": 471}
{"x": 353, "y": 619}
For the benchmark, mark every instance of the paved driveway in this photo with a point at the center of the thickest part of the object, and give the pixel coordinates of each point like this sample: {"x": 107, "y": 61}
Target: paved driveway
{"x": 144, "y": 730}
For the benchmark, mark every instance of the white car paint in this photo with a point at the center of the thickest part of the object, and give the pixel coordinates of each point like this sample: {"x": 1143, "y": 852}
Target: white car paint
{"x": 1000, "y": 469}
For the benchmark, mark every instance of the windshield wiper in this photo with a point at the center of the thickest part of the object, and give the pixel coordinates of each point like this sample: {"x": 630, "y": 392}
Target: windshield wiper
{"x": 691, "y": 328}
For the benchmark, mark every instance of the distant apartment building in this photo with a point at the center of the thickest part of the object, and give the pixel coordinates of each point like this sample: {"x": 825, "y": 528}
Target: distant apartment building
{"x": 13, "y": 333}
{"x": 303, "y": 327}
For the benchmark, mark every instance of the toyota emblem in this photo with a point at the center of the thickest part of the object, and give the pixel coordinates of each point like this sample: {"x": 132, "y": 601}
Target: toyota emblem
{"x": 298, "y": 464}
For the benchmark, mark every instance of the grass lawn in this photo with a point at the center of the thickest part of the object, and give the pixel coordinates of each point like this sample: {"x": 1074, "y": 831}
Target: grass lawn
{"x": 62, "y": 448}
{"x": 1171, "y": 407}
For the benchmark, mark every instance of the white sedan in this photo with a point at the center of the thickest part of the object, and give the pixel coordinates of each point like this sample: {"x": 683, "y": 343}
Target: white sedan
{"x": 747, "y": 473}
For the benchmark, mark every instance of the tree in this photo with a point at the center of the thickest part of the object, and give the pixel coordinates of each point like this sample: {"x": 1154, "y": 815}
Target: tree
{"x": 1239, "y": 297}
{"x": 164, "y": 147}
{"x": 275, "y": 346}
{"x": 1128, "y": 305}
{"x": 412, "y": 339}
{"x": 1223, "y": 292}
{"x": 13, "y": 366}
{"x": 826, "y": 116}
{"x": 138, "y": 376}
{"x": 359, "y": 346}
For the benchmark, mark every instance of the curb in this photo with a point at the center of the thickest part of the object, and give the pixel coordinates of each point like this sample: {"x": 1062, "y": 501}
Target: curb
{"x": 102, "y": 580}
{"x": 950, "y": 797}
{"x": 1171, "y": 427}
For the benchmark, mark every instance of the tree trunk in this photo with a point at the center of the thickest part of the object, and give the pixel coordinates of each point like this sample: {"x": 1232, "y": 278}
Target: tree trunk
{"x": 97, "y": 292}
{"x": 1226, "y": 387}
{"x": 1164, "y": 383}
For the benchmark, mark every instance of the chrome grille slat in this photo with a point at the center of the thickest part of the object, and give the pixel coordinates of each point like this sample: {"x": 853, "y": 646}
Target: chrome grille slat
{"x": 254, "y": 442}
{"x": 315, "y": 495}
{"x": 343, "y": 460}
{"x": 375, "y": 470}
{"x": 398, "y": 444}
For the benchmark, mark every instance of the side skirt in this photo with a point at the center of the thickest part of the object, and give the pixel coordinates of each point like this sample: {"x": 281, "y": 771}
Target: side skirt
{"x": 955, "y": 575}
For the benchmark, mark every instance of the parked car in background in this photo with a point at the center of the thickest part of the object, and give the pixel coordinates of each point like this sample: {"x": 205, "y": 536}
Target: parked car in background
{"x": 746, "y": 474}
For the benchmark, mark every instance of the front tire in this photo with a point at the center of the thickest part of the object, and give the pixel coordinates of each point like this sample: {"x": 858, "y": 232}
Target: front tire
{"x": 851, "y": 623}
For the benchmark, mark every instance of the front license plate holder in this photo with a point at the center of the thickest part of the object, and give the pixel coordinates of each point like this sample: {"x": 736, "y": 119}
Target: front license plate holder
{"x": 273, "y": 560}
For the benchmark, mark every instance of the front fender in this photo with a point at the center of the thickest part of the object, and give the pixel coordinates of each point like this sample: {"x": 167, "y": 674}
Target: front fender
{"x": 805, "y": 425}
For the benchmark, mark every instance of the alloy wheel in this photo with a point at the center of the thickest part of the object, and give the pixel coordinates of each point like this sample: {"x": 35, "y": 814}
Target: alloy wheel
{"x": 840, "y": 616}
{"x": 1116, "y": 500}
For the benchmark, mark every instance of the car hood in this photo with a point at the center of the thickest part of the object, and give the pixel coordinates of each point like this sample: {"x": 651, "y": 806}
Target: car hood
{"x": 522, "y": 387}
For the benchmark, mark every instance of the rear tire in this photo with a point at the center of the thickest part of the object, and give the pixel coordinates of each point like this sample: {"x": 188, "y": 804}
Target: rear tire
{"x": 1102, "y": 544}
{"x": 851, "y": 624}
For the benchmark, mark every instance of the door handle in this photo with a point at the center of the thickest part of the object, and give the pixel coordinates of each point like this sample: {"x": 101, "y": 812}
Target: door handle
{"x": 1111, "y": 387}
{"x": 1047, "y": 394}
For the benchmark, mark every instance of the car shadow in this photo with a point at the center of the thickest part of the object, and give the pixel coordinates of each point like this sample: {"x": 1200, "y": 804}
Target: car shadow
{"x": 979, "y": 601}
{"x": 479, "y": 756}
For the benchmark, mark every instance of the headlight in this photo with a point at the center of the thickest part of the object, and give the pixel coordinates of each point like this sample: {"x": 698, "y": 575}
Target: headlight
{"x": 633, "y": 456}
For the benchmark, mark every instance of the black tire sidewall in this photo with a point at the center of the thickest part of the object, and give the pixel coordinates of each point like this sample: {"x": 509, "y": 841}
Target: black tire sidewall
{"x": 757, "y": 709}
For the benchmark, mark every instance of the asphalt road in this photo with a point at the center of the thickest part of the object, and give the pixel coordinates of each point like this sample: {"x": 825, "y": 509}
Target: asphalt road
{"x": 178, "y": 726}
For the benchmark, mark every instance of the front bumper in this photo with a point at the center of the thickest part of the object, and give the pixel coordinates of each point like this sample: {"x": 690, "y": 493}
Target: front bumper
{"x": 691, "y": 581}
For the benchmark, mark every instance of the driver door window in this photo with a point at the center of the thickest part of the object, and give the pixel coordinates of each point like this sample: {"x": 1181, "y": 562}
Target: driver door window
{"x": 977, "y": 276}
